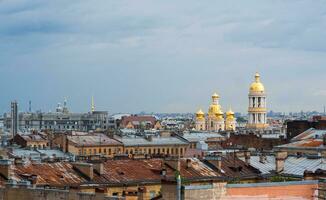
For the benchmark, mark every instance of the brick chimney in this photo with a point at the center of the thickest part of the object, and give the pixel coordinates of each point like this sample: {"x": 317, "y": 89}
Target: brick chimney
{"x": 99, "y": 167}
{"x": 247, "y": 156}
{"x": 189, "y": 164}
{"x": 173, "y": 163}
{"x": 85, "y": 168}
{"x": 216, "y": 161}
{"x": 5, "y": 168}
{"x": 280, "y": 157}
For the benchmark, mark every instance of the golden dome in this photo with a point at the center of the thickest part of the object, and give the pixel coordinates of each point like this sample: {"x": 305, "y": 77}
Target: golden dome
{"x": 215, "y": 96}
{"x": 230, "y": 112}
{"x": 214, "y": 109}
{"x": 257, "y": 86}
{"x": 200, "y": 114}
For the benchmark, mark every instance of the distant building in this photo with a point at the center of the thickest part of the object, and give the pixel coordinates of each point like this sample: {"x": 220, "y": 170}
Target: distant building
{"x": 257, "y": 111}
{"x": 215, "y": 121}
{"x": 139, "y": 122}
{"x": 61, "y": 120}
{"x": 296, "y": 127}
{"x": 88, "y": 144}
{"x": 14, "y": 118}
{"x": 32, "y": 140}
{"x": 212, "y": 140}
{"x": 160, "y": 144}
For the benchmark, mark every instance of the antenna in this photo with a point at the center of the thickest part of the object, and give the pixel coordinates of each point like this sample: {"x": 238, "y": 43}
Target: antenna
{"x": 30, "y": 106}
{"x": 93, "y": 105}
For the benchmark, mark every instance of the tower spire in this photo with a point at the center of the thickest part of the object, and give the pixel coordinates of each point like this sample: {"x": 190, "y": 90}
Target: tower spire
{"x": 93, "y": 105}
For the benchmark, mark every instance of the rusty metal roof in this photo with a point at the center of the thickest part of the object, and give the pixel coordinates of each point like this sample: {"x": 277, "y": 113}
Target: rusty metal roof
{"x": 115, "y": 172}
{"x": 233, "y": 167}
{"x": 54, "y": 174}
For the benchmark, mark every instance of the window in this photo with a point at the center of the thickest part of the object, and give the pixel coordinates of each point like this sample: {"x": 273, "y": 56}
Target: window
{"x": 110, "y": 151}
{"x": 94, "y": 151}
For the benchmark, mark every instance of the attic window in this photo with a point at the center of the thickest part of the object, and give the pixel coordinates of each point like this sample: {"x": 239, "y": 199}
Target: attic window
{"x": 121, "y": 173}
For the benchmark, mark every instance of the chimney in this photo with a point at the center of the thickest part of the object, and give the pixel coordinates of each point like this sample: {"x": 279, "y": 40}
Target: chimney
{"x": 173, "y": 163}
{"x": 247, "y": 157}
{"x": 99, "y": 167}
{"x": 189, "y": 164}
{"x": 262, "y": 158}
{"x": 216, "y": 161}
{"x": 280, "y": 157}
{"x": 84, "y": 168}
{"x": 5, "y": 168}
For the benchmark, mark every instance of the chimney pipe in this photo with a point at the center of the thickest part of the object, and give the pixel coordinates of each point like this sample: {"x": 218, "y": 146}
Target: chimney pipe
{"x": 85, "y": 168}
{"x": 280, "y": 159}
{"x": 247, "y": 157}
{"x": 5, "y": 168}
{"x": 189, "y": 163}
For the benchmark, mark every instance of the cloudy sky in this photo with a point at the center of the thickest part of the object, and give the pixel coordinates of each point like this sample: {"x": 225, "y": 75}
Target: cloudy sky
{"x": 163, "y": 55}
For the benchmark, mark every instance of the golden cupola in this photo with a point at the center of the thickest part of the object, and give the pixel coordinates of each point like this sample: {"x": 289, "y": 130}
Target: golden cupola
{"x": 200, "y": 115}
{"x": 230, "y": 114}
{"x": 215, "y": 108}
{"x": 257, "y": 86}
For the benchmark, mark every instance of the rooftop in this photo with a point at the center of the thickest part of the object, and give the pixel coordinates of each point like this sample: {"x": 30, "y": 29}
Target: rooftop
{"x": 292, "y": 166}
{"x": 201, "y": 136}
{"x": 133, "y": 140}
{"x": 310, "y": 134}
{"x": 303, "y": 144}
{"x": 92, "y": 140}
{"x": 115, "y": 172}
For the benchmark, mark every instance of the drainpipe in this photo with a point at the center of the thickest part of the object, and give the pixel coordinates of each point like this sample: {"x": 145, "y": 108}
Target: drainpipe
{"x": 179, "y": 187}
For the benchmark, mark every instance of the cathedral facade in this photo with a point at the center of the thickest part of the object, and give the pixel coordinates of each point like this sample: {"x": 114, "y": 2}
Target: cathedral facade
{"x": 215, "y": 120}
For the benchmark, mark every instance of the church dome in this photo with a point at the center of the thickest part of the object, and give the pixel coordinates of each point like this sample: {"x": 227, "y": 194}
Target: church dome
{"x": 257, "y": 86}
{"x": 214, "y": 109}
{"x": 215, "y": 96}
{"x": 200, "y": 114}
{"x": 229, "y": 113}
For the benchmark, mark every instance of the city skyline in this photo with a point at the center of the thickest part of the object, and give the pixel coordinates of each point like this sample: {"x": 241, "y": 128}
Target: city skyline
{"x": 133, "y": 56}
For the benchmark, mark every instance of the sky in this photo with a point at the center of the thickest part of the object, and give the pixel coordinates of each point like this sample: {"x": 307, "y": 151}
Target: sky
{"x": 162, "y": 55}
